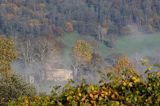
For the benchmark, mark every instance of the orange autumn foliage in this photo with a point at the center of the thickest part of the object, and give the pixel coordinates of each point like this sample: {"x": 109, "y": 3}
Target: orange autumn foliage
{"x": 123, "y": 64}
{"x": 69, "y": 26}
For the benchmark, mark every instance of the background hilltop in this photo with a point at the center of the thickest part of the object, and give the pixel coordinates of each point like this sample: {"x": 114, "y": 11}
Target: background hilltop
{"x": 53, "y": 17}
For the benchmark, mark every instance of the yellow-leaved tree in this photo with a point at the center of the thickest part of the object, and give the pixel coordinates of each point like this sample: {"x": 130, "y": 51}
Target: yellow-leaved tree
{"x": 124, "y": 67}
{"x": 82, "y": 51}
{"x": 83, "y": 54}
{"x": 7, "y": 55}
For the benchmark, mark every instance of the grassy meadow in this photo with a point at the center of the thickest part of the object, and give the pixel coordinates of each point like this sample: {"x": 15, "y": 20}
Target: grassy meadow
{"x": 128, "y": 45}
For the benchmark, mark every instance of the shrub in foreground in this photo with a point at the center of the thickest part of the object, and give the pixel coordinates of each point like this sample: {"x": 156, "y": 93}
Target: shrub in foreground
{"x": 12, "y": 87}
{"x": 132, "y": 91}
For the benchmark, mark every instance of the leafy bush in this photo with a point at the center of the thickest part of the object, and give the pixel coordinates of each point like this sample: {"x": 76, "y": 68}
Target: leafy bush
{"x": 125, "y": 88}
{"x": 12, "y": 87}
{"x": 126, "y": 92}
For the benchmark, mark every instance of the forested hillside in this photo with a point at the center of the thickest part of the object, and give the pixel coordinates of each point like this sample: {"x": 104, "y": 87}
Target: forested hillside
{"x": 93, "y": 17}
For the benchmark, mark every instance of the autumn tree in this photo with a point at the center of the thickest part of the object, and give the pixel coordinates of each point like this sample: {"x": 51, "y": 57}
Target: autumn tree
{"x": 69, "y": 26}
{"x": 7, "y": 55}
{"x": 124, "y": 67}
{"x": 82, "y": 53}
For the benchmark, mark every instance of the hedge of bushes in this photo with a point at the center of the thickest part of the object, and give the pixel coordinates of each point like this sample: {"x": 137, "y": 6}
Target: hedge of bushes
{"x": 123, "y": 87}
{"x": 132, "y": 91}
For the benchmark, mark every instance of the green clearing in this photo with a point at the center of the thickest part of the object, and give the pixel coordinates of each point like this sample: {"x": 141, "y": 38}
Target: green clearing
{"x": 69, "y": 39}
{"x": 126, "y": 45}
{"x": 138, "y": 43}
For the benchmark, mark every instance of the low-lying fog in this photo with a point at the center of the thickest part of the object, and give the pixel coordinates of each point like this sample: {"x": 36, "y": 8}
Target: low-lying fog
{"x": 136, "y": 46}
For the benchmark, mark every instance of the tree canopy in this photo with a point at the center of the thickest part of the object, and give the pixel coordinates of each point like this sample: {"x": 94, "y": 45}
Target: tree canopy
{"x": 82, "y": 51}
{"x": 7, "y": 55}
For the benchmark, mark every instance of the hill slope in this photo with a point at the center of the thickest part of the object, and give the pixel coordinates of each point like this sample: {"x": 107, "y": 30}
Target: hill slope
{"x": 48, "y": 17}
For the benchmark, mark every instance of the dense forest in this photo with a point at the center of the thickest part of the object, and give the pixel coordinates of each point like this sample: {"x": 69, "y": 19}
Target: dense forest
{"x": 53, "y": 17}
{"x": 79, "y": 52}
